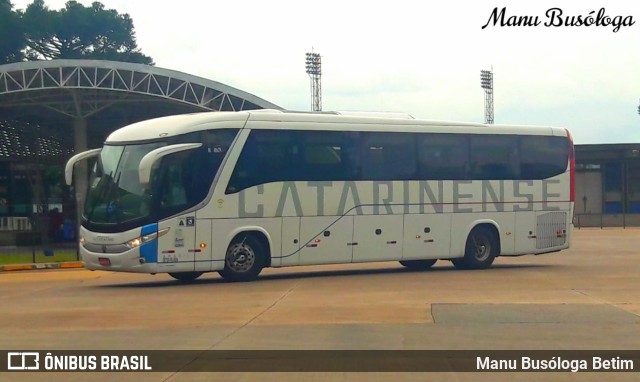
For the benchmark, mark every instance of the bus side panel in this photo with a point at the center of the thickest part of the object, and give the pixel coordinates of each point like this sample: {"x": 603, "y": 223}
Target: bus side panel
{"x": 326, "y": 240}
{"x": 506, "y": 229}
{"x": 570, "y": 223}
{"x": 203, "y": 245}
{"x": 175, "y": 248}
{"x": 463, "y": 223}
{"x": 551, "y": 230}
{"x": 525, "y": 234}
{"x": 426, "y": 236}
{"x": 290, "y": 243}
{"x": 543, "y": 231}
{"x": 378, "y": 238}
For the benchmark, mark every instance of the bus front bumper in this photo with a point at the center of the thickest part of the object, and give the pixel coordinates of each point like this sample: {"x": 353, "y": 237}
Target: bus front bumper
{"x": 128, "y": 261}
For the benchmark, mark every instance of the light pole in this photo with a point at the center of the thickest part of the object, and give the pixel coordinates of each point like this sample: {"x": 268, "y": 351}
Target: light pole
{"x": 486, "y": 82}
{"x": 314, "y": 71}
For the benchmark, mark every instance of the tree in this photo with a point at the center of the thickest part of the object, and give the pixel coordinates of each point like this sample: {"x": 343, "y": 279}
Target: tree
{"x": 77, "y": 31}
{"x": 12, "y": 40}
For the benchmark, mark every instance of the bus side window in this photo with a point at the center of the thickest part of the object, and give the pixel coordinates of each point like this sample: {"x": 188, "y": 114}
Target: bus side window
{"x": 202, "y": 164}
{"x": 197, "y": 175}
{"x": 494, "y": 157}
{"x": 443, "y": 156}
{"x": 388, "y": 156}
{"x": 323, "y": 162}
{"x": 267, "y": 156}
{"x": 327, "y": 156}
{"x": 543, "y": 157}
{"x": 293, "y": 155}
{"x": 173, "y": 194}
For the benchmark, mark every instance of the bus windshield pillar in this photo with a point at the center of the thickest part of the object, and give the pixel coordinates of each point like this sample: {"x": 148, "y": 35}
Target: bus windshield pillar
{"x": 80, "y": 180}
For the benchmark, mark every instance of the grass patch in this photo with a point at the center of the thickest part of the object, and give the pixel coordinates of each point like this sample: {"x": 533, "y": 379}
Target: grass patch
{"x": 25, "y": 256}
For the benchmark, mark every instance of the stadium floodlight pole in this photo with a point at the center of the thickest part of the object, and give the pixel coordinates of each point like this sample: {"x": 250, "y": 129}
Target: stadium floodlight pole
{"x": 486, "y": 82}
{"x": 314, "y": 71}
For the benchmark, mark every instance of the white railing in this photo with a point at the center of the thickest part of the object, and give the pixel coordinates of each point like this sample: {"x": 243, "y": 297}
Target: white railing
{"x": 15, "y": 223}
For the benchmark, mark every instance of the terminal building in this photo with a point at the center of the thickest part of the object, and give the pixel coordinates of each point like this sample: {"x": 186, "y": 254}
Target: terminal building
{"x": 51, "y": 109}
{"x": 607, "y": 185}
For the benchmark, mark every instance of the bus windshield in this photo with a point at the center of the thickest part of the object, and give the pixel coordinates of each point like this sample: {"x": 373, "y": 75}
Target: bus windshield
{"x": 115, "y": 195}
{"x": 117, "y": 199}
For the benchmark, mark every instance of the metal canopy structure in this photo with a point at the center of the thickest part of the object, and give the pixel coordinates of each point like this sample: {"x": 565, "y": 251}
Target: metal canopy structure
{"x": 81, "y": 88}
{"x": 51, "y": 109}
{"x": 107, "y": 82}
{"x": 49, "y": 95}
{"x": 47, "y": 98}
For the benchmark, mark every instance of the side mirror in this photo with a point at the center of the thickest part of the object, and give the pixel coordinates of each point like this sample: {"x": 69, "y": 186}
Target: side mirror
{"x": 147, "y": 162}
{"x": 68, "y": 169}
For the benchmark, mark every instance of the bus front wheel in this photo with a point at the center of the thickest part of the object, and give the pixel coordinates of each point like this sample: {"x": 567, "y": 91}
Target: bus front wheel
{"x": 480, "y": 250}
{"x": 185, "y": 276}
{"x": 418, "y": 264}
{"x": 244, "y": 259}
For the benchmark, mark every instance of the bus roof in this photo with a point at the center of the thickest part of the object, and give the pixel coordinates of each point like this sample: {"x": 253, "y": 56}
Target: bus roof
{"x": 293, "y": 120}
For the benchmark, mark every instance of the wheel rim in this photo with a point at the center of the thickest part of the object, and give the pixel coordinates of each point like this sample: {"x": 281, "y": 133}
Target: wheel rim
{"x": 240, "y": 257}
{"x": 481, "y": 247}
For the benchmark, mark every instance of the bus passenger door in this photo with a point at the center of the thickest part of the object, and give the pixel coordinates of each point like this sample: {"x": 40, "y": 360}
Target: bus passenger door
{"x": 326, "y": 239}
{"x": 377, "y": 238}
{"x": 290, "y": 241}
{"x": 176, "y": 248}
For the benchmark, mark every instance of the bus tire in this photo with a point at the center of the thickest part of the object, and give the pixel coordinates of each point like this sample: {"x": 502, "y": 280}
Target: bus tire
{"x": 459, "y": 263}
{"x": 480, "y": 250}
{"x": 244, "y": 259}
{"x": 185, "y": 276}
{"x": 418, "y": 264}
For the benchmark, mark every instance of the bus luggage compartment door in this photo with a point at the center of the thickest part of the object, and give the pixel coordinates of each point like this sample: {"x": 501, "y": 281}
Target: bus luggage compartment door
{"x": 176, "y": 250}
{"x": 427, "y": 236}
{"x": 377, "y": 238}
{"x": 326, "y": 239}
{"x": 290, "y": 242}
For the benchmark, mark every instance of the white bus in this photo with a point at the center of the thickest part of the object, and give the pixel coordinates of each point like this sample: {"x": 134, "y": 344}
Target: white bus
{"x": 236, "y": 192}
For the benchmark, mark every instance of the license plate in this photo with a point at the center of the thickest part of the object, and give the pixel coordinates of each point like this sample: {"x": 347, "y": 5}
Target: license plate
{"x": 105, "y": 262}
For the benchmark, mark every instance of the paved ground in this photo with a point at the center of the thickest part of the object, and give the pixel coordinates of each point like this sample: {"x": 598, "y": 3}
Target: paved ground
{"x": 584, "y": 298}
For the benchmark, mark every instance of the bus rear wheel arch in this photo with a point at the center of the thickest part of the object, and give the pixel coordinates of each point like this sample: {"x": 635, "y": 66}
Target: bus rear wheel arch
{"x": 245, "y": 258}
{"x": 481, "y": 248}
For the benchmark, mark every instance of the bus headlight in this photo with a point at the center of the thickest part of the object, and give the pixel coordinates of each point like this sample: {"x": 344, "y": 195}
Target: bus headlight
{"x": 138, "y": 241}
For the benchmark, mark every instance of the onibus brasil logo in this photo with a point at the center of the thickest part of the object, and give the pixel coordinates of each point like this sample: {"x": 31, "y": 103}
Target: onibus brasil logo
{"x": 27, "y": 361}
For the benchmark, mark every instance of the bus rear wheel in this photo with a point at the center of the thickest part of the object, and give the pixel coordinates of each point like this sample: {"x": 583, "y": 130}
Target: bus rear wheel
{"x": 418, "y": 264}
{"x": 185, "y": 276}
{"x": 480, "y": 250}
{"x": 244, "y": 259}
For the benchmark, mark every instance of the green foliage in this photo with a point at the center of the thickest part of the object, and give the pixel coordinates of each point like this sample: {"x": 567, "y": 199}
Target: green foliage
{"x": 12, "y": 40}
{"x": 24, "y": 255}
{"x": 75, "y": 32}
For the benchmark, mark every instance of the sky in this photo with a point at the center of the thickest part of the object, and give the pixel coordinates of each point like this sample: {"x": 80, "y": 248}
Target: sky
{"x": 420, "y": 57}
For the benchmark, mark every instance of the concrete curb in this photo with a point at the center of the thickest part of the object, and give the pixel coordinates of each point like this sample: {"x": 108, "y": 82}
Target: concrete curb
{"x": 29, "y": 267}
